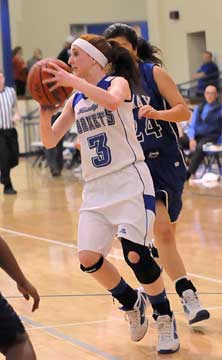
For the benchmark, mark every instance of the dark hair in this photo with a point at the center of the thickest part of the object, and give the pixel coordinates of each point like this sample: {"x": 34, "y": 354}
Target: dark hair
{"x": 145, "y": 51}
{"x": 16, "y": 50}
{"x": 121, "y": 61}
{"x": 148, "y": 52}
{"x": 124, "y": 30}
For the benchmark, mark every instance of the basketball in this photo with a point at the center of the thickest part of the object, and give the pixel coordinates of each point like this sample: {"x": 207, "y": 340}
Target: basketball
{"x": 41, "y": 92}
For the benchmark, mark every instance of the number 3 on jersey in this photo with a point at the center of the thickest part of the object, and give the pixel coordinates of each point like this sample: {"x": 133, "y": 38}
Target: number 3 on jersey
{"x": 102, "y": 150}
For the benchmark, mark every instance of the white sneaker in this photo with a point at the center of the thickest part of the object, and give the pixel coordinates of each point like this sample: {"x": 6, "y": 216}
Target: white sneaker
{"x": 193, "y": 310}
{"x": 168, "y": 341}
{"x": 138, "y": 323}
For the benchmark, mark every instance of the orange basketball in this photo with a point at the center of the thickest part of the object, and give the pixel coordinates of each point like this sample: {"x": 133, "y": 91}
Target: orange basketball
{"x": 39, "y": 91}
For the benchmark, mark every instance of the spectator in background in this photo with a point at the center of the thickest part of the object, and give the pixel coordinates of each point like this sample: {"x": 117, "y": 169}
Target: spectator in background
{"x": 205, "y": 126}
{"x": 54, "y": 156}
{"x": 9, "y": 151}
{"x": 207, "y": 74}
{"x": 37, "y": 55}
{"x": 183, "y": 127}
{"x": 19, "y": 71}
{"x": 65, "y": 52}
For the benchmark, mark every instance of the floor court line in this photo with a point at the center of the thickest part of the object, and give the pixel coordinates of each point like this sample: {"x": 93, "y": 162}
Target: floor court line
{"x": 53, "y": 332}
{"x": 73, "y": 246}
{"x": 83, "y": 323}
{"x": 205, "y": 278}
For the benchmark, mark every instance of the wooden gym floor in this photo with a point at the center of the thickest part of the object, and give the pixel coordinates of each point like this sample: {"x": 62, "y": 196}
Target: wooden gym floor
{"x": 77, "y": 318}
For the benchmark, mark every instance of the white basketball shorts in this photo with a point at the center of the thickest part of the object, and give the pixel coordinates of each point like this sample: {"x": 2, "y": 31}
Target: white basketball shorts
{"x": 120, "y": 203}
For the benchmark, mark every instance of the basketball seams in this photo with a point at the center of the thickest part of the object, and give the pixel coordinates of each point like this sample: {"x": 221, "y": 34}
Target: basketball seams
{"x": 42, "y": 85}
{"x": 39, "y": 91}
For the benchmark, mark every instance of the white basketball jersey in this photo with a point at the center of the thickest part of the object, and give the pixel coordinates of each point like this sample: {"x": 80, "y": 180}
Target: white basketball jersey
{"x": 107, "y": 138}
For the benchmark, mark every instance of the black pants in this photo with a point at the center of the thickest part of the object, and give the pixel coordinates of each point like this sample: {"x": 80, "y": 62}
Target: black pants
{"x": 20, "y": 87}
{"x": 198, "y": 155}
{"x": 54, "y": 156}
{"x": 9, "y": 154}
{"x": 184, "y": 142}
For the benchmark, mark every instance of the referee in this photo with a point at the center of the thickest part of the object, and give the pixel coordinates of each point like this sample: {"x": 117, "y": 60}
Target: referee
{"x": 9, "y": 151}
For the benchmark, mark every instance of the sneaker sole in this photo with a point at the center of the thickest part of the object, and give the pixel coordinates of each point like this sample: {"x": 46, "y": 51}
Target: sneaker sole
{"x": 201, "y": 315}
{"x": 145, "y": 331}
{"x": 169, "y": 351}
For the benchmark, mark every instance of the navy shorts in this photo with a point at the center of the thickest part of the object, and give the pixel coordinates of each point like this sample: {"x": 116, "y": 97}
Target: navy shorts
{"x": 10, "y": 324}
{"x": 169, "y": 175}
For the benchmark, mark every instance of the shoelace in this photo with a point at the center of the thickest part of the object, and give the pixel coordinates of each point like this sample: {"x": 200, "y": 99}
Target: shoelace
{"x": 192, "y": 301}
{"x": 164, "y": 328}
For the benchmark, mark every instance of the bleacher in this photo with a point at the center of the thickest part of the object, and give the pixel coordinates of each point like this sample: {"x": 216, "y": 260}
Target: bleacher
{"x": 29, "y": 134}
{"x": 188, "y": 89}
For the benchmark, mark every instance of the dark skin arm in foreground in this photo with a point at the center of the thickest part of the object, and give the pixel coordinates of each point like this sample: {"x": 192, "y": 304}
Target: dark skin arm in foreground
{"x": 10, "y": 265}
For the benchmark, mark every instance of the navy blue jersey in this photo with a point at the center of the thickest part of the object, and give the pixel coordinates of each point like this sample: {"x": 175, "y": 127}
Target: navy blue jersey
{"x": 156, "y": 137}
{"x": 159, "y": 140}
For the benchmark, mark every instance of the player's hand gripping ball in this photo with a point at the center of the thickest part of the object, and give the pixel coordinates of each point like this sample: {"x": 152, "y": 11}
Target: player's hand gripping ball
{"x": 40, "y": 91}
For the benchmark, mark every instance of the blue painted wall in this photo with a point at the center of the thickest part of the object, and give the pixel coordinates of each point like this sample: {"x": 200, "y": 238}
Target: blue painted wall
{"x": 6, "y": 41}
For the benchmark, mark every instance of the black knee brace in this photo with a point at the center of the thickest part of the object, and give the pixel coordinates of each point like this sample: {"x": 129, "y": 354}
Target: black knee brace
{"x": 93, "y": 268}
{"x": 146, "y": 269}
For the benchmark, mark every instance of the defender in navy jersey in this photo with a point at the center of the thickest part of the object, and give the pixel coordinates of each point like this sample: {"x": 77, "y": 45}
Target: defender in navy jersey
{"x": 118, "y": 195}
{"x": 157, "y": 107}
{"x": 159, "y": 140}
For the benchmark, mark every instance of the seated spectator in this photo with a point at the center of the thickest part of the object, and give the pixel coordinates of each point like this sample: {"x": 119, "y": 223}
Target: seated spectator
{"x": 183, "y": 137}
{"x": 54, "y": 156}
{"x": 205, "y": 126}
{"x": 19, "y": 71}
{"x": 207, "y": 74}
{"x": 65, "y": 52}
{"x": 37, "y": 55}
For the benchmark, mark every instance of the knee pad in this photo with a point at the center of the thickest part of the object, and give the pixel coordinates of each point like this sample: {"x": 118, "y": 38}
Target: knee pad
{"x": 146, "y": 269}
{"x": 93, "y": 268}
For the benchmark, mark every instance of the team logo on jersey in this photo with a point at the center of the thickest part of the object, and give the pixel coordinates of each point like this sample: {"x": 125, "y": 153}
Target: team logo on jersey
{"x": 140, "y": 100}
{"x": 93, "y": 107}
{"x": 153, "y": 155}
{"x": 94, "y": 121}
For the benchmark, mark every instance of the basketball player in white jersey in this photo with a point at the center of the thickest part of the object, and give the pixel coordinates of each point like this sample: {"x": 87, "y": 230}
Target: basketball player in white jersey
{"x": 118, "y": 195}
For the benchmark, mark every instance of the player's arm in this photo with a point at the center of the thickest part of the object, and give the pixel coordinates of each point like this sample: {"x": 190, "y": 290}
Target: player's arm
{"x": 9, "y": 264}
{"x": 52, "y": 134}
{"x": 179, "y": 110}
{"x": 111, "y": 99}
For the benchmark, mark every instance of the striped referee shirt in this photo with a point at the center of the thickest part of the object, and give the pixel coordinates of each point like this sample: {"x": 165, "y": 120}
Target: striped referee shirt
{"x": 7, "y": 104}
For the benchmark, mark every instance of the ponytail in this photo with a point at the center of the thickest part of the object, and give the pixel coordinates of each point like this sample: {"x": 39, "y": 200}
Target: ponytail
{"x": 123, "y": 64}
